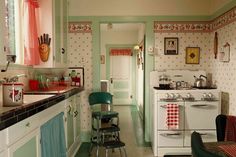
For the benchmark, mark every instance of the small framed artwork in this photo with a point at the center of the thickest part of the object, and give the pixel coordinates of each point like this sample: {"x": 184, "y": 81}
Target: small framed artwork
{"x": 171, "y": 46}
{"x": 192, "y": 55}
{"x": 224, "y": 55}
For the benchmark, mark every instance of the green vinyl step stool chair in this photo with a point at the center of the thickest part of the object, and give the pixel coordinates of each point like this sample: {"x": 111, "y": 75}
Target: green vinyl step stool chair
{"x": 105, "y": 124}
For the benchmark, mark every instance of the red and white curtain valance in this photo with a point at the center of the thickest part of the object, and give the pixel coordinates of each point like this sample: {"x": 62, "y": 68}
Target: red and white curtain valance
{"x": 121, "y": 52}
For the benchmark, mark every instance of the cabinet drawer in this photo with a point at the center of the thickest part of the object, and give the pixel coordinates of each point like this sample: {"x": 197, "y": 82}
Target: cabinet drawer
{"x": 20, "y": 129}
{"x": 170, "y": 138}
{"x": 207, "y": 136}
{"x": 3, "y": 142}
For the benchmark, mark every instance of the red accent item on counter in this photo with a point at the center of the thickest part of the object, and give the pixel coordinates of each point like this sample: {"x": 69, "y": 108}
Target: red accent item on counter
{"x": 34, "y": 85}
{"x": 172, "y": 116}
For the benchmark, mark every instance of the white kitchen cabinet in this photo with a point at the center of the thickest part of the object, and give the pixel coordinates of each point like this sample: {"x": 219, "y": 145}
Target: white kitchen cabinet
{"x": 53, "y": 21}
{"x": 72, "y": 122}
{"x": 26, "y": 146}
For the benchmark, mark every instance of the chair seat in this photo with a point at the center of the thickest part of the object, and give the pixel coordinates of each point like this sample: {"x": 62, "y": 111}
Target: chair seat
{"x": 105, "y": 114}
{"x": 109, "y": 129}
{"x": 113, "y": 144}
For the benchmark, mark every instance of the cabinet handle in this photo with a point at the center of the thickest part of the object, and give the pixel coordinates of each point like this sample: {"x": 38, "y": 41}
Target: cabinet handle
{"x": 76, "y": 113}
{"x": 63, "y": 50}
{"x": 68, "y": 108}
{"x": 171, "y": 134}
{"x": 27, "y": 124}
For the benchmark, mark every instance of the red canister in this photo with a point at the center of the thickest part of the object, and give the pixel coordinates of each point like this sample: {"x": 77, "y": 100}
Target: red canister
{"x": 34, "y": 85}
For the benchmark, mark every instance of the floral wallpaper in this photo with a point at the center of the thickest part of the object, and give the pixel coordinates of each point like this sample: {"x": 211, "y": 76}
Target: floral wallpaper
{"x": 178, "y": 61}
{"x": 224, "y": 73}
{"x": 80, "y": 54}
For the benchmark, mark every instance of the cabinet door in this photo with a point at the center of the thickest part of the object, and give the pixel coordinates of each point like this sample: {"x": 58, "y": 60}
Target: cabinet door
{"x": 65, "y": 30}
{"x": 58, "y": 30}
{"x": 70, "y": 122}
{"x": 2, "y": 32}
{"x": 60, "y": 7}
{"x": 77, "y": 117}
{"x": 27, "y": 146}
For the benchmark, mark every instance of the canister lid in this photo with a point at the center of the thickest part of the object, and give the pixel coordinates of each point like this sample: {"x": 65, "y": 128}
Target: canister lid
{"x": 10, "y": 84}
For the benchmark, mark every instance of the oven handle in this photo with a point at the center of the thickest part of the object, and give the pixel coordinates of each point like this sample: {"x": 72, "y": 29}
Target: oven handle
{"x": 203, "y": 134}
{"x": 200, "y": 105}
{"x": 170, "y": 134}
{"x": 165, "y": 106}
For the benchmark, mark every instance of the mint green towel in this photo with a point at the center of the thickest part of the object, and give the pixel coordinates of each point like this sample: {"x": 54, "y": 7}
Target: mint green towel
{"x": 53, "y": 137}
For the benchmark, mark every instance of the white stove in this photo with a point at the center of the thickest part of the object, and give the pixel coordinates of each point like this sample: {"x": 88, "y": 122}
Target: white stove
{"x": 198, "y": 109}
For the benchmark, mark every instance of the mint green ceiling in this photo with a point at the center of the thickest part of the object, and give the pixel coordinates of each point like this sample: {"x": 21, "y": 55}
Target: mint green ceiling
{"x": 146, "y": 8}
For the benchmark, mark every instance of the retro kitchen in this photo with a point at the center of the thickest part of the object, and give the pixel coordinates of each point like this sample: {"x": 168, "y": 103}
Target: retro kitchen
{"x": 117, "y": 78}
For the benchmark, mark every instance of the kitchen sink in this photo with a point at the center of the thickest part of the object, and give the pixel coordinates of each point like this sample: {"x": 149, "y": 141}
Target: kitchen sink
{"x": 51, "y": 91}
{"x": 30, "y": 98}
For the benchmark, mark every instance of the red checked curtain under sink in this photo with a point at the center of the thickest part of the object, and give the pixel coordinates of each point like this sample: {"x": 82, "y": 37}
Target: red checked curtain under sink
{"x": 31, "y": 45}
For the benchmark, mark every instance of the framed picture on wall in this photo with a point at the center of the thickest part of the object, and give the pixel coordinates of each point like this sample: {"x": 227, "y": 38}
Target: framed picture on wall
{"x": 192, "y": 55}
{"x": 171, "y": 46}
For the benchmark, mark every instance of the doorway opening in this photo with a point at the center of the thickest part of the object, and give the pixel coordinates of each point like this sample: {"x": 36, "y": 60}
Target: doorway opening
{"x": 122, "y": 48}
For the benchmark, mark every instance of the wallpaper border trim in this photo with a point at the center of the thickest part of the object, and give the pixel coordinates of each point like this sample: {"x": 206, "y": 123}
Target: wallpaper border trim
{"x": 80, "y": 27}
{"x": 195, "y": 26}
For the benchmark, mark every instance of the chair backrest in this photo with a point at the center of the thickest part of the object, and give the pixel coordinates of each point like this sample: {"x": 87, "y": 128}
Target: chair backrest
{"x": 100, "y": 98}
{"x": 220, "y": 127}
{"x": 198, "y": 149}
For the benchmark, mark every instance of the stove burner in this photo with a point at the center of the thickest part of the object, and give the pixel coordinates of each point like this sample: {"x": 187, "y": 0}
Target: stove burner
{"x": 158, "y": 88}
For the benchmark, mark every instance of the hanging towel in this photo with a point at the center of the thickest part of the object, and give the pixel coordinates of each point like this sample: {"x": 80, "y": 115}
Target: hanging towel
{"x": 230, "y": 129}
{"x": 53, "y": 137}
{"x": 230, "y": 150}
{"x": 172, "y": 116}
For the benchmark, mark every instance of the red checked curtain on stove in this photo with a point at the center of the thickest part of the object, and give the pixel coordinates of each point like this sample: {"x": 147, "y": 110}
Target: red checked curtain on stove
{"x": 31, "y": 46}
{"x": 120, "y": 52}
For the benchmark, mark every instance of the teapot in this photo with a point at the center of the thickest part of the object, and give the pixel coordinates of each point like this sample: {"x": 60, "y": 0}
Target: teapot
{"x": 200, "y": 82}
{"x": 164, "y": 82}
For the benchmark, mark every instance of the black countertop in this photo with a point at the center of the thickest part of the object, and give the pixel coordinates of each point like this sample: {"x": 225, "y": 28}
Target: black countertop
{"x": 12, "y": 115}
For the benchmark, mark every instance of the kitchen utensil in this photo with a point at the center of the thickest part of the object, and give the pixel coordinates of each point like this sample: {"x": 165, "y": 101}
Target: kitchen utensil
{"x": 12, "y": 94}
{"x": 200, "y": 82}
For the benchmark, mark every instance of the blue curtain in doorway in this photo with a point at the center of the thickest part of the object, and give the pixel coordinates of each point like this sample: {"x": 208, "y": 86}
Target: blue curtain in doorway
{"x": 53, "y": 137}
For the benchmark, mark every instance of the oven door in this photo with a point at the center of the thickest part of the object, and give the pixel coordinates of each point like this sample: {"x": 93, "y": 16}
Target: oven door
{"x": 162, "y": 114}
{"x": 201, "y": 114}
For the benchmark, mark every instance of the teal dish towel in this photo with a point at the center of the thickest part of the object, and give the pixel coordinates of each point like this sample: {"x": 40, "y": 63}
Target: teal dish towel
{"x": 53, "y": 137}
